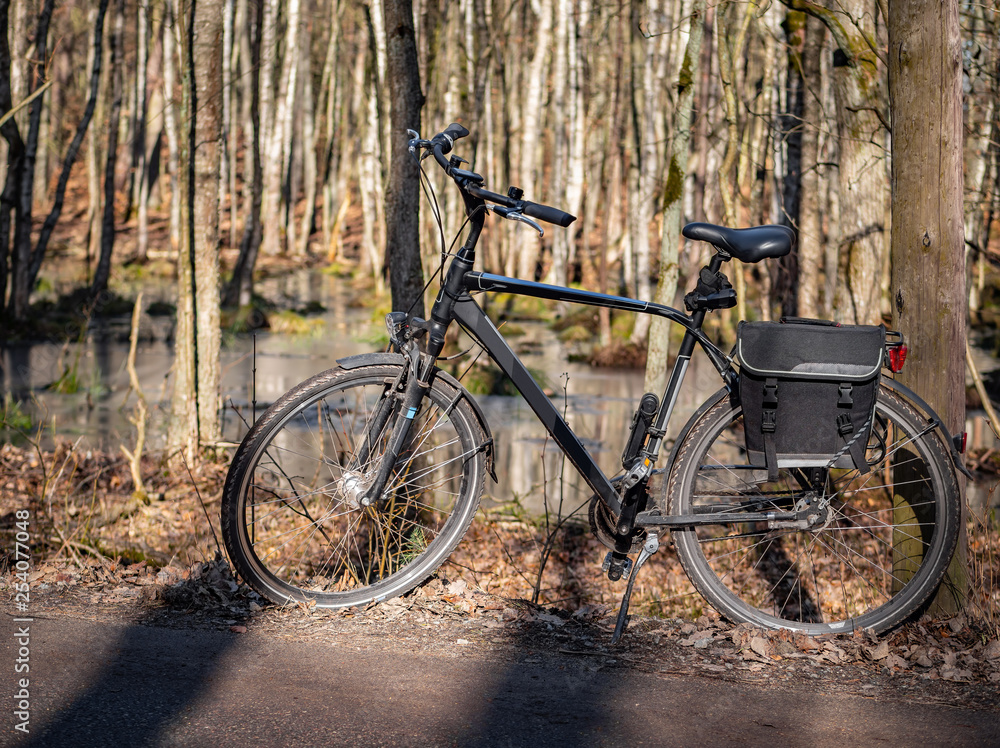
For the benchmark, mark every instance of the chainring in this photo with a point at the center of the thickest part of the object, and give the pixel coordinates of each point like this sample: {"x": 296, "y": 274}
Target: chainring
{"x": 602, "y": 524}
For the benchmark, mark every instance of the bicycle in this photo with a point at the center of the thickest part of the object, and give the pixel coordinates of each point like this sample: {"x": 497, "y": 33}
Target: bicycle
{"x": 358, "y": 483}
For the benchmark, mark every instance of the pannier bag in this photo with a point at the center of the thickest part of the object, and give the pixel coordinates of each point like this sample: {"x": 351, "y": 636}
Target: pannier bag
{"x": 808, "y": 390}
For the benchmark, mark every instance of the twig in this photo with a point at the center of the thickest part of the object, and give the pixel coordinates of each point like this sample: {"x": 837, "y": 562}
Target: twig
{"x": 34, "y": 94}
{"x": 202, "y": 502}
{"x": 981, "y": 389}
{"x": 142, "y": 411}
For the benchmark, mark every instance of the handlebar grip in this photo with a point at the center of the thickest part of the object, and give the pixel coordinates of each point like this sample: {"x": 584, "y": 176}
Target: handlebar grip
{"x": 451, "y": 133}
{"x": 548, "y": 214}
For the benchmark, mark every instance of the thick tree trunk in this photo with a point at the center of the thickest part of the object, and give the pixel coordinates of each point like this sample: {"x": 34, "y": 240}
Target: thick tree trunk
{"x": 195, "y": 404}
{"x": 928, "y": 273}
{"x": 402, "y": 197}
{"x": 810, "y": 247}
{"x": 645, "y": 165}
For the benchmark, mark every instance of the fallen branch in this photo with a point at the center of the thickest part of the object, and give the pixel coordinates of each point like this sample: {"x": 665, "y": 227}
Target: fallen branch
{"x": 142, "y": 411}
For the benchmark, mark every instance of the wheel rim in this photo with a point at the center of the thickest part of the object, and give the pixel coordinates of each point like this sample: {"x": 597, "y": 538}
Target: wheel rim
{"x": 856, "y": 566}
{"x": 307, "y": 534}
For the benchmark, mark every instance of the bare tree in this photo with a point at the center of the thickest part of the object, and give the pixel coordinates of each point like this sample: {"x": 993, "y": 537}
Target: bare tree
{"x": 103, "y": 271}
{"x": 239, "y": 290}
{"x": 928, "y": 254}
{"x": 406, "y": 278}
{"x": 680, "y": 153}
{"x": 194, "y": 406}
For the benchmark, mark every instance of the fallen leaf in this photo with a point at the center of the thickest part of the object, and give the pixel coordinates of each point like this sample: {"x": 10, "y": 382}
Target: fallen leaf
{"x": 760, "y": 645}
{"x": 880, "y": 652}
{"x": 992, "y": 650}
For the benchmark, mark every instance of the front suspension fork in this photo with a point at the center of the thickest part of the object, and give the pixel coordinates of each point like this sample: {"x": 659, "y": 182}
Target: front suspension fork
{"x": 417, "y": 384}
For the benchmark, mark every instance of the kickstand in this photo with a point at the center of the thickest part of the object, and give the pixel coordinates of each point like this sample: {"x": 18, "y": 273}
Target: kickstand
{"x": 650, "y": 547}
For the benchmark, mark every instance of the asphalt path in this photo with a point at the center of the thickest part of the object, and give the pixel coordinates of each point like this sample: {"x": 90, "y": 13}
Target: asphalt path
{"x": 95, "y": 683}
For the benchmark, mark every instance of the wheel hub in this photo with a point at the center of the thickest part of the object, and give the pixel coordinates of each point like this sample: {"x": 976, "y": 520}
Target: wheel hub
{"x": 353, "y": 486}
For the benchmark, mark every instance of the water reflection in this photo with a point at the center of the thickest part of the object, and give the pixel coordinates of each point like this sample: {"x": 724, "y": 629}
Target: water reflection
{"x": 598, "y": 403}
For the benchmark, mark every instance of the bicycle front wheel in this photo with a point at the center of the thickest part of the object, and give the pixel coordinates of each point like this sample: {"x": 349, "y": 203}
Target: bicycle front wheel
{"x": 293, "y": 521}
{"x": 873, "y": 552}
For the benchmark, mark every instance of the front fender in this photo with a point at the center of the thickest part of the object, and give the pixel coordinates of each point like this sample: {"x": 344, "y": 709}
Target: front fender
{"x": 398, "y": 359}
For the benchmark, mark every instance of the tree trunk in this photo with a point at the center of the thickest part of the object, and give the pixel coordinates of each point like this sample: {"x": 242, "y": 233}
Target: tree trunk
{"x": 402, "y": 196}
{"x": 10, "y": 206}
{"x": 239, "y": 291}
{"x": 645, "y": 164}
{"x": 170, "y": 35}
{"x": 22, "y": 281}
{"x": 673, "y": 193}
{"x": 103, "y": 271}
{"x": 227, "y": 166}
{"x": 309, "y": 169}
{"x": 736, "y": 37}
{"x": 74, "y": 148}
{"x": 928, "y": 273}
{"x": 531, "y": 165}
{"x": 810, "y": 247}
{"x": 272, "y": 165}
{"x": 194, "y": 404}
{"x": 141, "y": 145}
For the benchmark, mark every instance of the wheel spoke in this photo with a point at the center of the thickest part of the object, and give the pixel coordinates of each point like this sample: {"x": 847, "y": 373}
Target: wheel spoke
{"x": 300, "y": 530}
{"x": 879, "y": 544}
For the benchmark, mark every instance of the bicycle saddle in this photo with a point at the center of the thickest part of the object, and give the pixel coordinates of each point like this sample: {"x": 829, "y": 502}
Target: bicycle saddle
{"x": 746, "y": 245}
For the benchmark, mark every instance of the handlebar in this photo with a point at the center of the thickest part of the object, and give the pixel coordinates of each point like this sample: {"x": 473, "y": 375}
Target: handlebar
{"x": 470, "y": 182}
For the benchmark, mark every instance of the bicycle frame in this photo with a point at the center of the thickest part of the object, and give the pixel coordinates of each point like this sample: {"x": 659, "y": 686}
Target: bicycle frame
{"x": 479, "y": 326}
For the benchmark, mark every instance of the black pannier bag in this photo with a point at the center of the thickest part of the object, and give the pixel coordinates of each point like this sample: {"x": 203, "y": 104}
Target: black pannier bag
{"x": 808, "y": 390}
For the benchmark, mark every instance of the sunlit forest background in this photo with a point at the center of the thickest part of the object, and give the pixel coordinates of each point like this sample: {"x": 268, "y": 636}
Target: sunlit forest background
{"x": 579, "y": 103}
{"x": 204, "y": 145}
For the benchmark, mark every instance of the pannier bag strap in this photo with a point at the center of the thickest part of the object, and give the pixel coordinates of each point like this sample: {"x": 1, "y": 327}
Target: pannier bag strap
{"x": 768, "y": 425}
{"x": 855, "y": 445}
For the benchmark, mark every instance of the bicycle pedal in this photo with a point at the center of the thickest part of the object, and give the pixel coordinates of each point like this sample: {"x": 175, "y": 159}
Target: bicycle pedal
{"x": 616, "y": 568}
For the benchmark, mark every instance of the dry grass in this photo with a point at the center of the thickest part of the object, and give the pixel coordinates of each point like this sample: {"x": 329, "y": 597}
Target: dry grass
{"x": 83, "y": 507}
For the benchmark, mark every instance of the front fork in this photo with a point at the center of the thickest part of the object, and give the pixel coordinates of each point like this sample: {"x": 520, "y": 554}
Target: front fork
{"x": 421, "y": 341}
{"x": 416, "y": 386}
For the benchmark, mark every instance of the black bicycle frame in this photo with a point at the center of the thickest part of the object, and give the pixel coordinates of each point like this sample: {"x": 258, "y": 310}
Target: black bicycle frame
{"x": 479, "y": 326}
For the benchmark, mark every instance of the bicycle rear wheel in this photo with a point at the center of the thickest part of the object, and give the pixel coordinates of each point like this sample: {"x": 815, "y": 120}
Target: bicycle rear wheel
{"x": 292, "y": 517}
{"x": 876, "y": 551}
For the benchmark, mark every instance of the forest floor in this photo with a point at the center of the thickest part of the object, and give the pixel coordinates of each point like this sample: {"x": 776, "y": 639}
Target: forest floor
{"x": 100, "y": 555}
{"x": 131, "y": 655}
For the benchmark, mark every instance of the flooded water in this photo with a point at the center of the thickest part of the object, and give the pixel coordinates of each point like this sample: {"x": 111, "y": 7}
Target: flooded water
{"x": 598, "y": 403}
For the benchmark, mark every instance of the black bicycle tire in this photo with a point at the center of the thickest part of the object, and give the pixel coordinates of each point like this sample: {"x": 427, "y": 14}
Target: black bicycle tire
{"x": 899, "y": 606}
{"x": 237, "y": 532}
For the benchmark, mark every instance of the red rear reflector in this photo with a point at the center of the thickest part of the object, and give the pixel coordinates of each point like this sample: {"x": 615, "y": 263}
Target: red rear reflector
{"x": 960, "y": 441}
{"x": 897, "y": 357}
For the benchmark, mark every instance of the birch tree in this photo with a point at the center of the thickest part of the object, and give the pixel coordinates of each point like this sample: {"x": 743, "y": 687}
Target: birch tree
{"x": 680, "y": 153}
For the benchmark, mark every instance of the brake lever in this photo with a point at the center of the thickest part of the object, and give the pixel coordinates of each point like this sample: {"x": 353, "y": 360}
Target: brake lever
{"x": 417, "y": 143}
{"x": 512, "y": 214}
